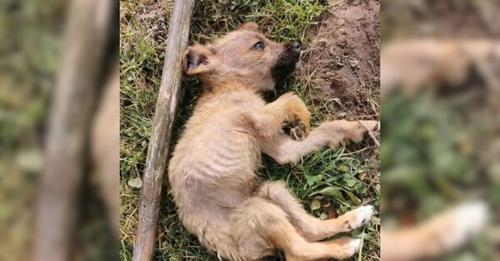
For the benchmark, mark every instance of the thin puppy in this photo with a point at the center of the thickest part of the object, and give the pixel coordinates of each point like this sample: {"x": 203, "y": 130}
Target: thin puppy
{"x": 212, "y": 171}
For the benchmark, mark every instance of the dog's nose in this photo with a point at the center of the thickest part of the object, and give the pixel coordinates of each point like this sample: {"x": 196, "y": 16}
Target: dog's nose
{"x": 295, "y": 45}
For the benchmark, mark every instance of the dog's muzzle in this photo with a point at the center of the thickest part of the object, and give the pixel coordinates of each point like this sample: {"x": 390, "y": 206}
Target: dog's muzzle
{"x": 287, "y": 62}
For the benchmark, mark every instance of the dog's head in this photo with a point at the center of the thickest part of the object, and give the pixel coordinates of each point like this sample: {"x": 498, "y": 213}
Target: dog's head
{"x": 244, "y": 55}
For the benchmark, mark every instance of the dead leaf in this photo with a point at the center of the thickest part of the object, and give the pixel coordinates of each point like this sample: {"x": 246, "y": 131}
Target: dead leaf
{"x": 332, "y": 213}
{"x": 315, "y": 204}
{"x": 135, "y": 182}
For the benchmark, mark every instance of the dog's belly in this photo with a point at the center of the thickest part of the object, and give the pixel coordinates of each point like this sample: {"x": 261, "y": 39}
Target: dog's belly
{"x": 211, "y": 174}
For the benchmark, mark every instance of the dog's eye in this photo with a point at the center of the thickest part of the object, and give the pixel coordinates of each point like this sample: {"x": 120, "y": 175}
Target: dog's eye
{"x": 259, "y": 45}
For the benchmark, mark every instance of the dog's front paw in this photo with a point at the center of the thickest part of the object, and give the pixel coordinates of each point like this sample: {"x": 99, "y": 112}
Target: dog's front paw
{"x": 295, "y": 128}
{"x": 340, "y": 131}
{"x": 356, "y": 218}
{"x": 360, "y": 128}
{"x": 371, "y": 125}
{"x": 296, "y": 122}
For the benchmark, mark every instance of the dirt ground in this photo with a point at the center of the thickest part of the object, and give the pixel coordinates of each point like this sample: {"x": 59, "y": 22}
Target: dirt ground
{"x": 442, "y": 19}
{"x": 343, "y": 60}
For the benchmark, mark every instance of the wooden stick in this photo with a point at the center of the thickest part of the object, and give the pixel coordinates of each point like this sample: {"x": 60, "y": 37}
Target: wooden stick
{"x": 166, "y": 104}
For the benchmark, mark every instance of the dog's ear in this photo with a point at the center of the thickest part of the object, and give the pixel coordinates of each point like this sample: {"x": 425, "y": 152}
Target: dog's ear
{"x": 198, "y": 59}
{"x": 249, "y": 27}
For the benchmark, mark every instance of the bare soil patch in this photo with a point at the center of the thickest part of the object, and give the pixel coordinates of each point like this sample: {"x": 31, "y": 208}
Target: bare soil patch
{"x": 342, "y": 62}
{"x": 441, "y": 19}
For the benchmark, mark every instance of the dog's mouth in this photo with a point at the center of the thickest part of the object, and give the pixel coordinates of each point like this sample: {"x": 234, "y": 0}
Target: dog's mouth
{"x": 287, "y": 62}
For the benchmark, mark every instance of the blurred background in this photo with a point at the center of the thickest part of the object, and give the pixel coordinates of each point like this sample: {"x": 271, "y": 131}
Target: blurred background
{"x": 440, "y": 153}
{"x": 440, "y": 69}
{"x": 59, "y": 136}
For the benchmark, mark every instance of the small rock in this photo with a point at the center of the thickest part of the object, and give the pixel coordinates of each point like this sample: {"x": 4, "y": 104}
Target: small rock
{"x": 341, "y": 42}
{"x": 332, "y": 51}
{"x": 340, "y": 22}
{"x": 353, "y": 63}
{"x": 322, "y": 42}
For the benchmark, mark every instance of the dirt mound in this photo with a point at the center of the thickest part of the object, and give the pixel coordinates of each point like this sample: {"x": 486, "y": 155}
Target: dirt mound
{"x": 342, "y": 62}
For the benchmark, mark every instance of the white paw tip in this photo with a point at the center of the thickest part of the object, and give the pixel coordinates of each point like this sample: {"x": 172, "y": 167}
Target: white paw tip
{"x": 468, "y": 220}
{"x": 366, "y": 212}
{"x": 355, "y": 244}
{"x": 472, "y": 216}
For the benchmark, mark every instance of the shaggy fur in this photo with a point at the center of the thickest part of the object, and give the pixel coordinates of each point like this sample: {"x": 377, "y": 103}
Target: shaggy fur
{"x": 212, "y": 171}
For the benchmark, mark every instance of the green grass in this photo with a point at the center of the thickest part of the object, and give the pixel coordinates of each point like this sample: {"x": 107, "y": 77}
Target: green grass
{"x": 339, "y": 179}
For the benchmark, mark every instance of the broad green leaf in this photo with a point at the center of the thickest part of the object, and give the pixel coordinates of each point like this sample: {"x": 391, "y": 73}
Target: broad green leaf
{"x": 350, "y": 181}
{"x": 353, "y": 198}
{"x": 311, "y": 180}
{"x": 343, "y": 168}
{"x": 332, "y": 192}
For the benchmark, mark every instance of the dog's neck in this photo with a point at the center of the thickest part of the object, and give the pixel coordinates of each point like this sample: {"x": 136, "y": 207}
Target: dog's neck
{"x": 214, "y": 89}
{"x": 219, "y": 86}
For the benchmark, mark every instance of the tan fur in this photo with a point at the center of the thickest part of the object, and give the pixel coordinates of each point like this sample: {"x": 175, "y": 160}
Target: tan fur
{"x": 212, "y": 171}
{"x": 411, "y": 65}
{"x": 105, "y": 148}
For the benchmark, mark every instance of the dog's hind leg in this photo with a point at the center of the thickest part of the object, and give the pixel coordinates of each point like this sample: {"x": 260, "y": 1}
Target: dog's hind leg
{"x": 257, "y": 217}
{"x": 313, "y": 229}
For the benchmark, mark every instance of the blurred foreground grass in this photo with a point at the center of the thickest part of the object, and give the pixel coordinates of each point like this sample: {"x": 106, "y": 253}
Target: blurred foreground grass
{"x": 29, "y": 55}
{"x": 441, "y": 146}
{"x": 433, "y": 157}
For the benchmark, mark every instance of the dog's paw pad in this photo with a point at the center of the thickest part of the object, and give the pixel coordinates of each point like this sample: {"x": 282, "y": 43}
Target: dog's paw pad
{"x": 294, "y": 128}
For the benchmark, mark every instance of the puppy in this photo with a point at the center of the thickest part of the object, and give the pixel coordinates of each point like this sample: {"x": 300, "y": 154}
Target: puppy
{"x": 212, "y": 171}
